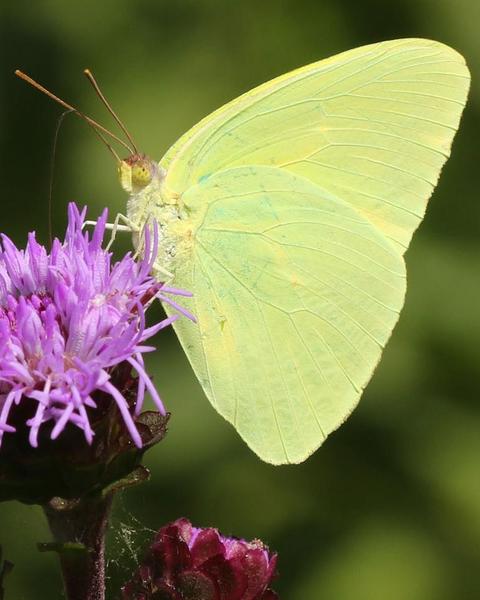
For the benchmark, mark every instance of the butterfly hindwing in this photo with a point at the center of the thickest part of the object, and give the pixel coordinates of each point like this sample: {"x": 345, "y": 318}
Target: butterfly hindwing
{"x": 296, "y": 295}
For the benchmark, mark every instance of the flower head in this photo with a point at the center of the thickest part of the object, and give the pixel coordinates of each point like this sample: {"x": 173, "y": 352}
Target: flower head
{"x": 189, "y": 563}
{"x": 70, "y": 320}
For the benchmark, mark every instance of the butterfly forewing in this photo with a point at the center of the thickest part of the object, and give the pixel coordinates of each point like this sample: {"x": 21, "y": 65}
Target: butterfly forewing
{"x": 373, "y": 125}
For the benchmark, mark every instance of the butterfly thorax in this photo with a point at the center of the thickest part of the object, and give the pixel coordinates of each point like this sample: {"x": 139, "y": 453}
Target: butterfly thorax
{"x": 143, "y": 179}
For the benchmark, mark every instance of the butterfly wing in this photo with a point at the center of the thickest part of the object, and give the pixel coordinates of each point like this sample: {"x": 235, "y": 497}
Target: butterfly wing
{"x": 295, "y": 295}
{"x": 303, "y": 195}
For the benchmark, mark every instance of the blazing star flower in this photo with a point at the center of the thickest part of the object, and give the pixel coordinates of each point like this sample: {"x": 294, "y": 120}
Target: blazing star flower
{"x": 68, "y": 320}
{"x": 189, "y": 563}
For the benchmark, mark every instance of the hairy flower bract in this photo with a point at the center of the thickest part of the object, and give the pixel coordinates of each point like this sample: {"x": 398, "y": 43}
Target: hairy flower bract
{"x": 68, "y": 318}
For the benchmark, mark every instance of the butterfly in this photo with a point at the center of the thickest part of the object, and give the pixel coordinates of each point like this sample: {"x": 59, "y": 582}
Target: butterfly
{"x": 287, "y": 213}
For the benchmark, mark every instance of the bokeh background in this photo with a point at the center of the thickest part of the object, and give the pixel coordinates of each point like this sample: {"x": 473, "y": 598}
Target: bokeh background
{"x": 389, "y": 507}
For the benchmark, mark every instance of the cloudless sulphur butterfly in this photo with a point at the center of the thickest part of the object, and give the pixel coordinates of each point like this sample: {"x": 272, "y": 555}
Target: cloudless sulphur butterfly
{"x": 287, "y": 213}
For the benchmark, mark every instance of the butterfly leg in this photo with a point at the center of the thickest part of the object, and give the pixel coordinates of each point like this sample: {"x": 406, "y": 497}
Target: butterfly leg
{"x": 128, "y": 226}
{"x": 159, "y": 271}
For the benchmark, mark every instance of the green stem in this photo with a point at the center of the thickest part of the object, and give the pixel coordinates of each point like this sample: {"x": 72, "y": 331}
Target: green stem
{"x": 79, "y": 531}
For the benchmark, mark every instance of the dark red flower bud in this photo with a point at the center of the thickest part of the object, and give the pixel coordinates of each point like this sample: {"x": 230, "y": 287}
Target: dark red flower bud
{"x": 190, "y": 563}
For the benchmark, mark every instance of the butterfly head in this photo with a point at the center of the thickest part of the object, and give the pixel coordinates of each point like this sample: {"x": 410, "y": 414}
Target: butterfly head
{"x": 137, "y": 172}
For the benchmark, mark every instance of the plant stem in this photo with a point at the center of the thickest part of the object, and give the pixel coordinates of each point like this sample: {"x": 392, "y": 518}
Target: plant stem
{"x": 79, "y": 531}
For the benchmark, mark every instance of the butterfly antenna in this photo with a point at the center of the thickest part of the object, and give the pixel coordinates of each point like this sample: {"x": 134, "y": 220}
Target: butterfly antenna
{"x": 52, "y": 168}
{"x": 52, "y": 174}
{"x": 96, "y": 126}
{"x": 108, "y": 145}
{"x": 96, "y": 87}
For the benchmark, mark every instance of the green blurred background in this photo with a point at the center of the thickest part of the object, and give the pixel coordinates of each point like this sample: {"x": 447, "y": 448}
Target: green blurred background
{"x": 389, "y": 507}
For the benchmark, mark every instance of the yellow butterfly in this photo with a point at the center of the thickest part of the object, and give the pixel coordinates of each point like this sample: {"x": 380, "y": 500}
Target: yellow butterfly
{"x": 287, "y": 213}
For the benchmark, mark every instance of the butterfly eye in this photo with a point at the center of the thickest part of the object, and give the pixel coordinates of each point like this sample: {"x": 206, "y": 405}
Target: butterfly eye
{"x": 141, "y": 174}
{"x": 135, "y": 173}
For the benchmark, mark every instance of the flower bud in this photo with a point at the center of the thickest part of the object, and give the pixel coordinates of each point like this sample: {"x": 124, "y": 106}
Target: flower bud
{"x": 190, "y": 563}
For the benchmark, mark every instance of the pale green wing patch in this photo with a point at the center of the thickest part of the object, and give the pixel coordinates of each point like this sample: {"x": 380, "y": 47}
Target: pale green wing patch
{"x": 296, "y": 295}
{"x": 373, "y": 126}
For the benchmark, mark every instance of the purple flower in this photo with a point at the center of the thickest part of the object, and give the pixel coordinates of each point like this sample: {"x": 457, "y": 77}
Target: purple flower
{"x": 68, "y": 320}
{"x": 189, "y": 563}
